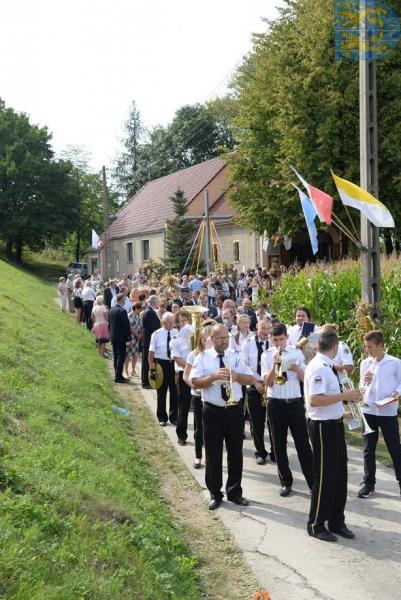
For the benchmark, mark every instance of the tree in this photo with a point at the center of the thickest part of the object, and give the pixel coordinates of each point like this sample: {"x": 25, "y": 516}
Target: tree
{"x": 36, "y": 197}
{"x": 180, "y": 234}
{"x": 297, "y": 105}
{"x": 128, "y": 174}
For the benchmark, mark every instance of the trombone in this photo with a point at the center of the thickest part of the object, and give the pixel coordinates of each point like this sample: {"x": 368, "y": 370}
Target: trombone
{"x": 355, "y": 409}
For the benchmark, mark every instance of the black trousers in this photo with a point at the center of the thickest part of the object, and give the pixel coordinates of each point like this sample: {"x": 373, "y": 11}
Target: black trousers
{"x": 257, "y": 415}
{"x": 290, "y": 415}
{"x": 197, "y": 405}
{"x": 87, "y": 314}
{"x": 168, "y": 385}
{"x": 329, "y": 492}
{"x": 184, "y": 404}
{"x": 119, "y": 352}
{"x": 223, "y": 425}
{"x": 391, "y": 434}
{"x": 145, "y": 366}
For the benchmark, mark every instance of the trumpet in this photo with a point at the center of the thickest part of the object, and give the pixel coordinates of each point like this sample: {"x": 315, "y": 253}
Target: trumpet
{"x": 264, "y": 399}
{"x": 279, "y": 377}
{"x": 229, "y": 385}
{"x": 355, "y": 409}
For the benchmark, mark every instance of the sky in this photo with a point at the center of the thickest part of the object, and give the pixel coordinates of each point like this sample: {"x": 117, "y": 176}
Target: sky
{"x": 76, "y": 66}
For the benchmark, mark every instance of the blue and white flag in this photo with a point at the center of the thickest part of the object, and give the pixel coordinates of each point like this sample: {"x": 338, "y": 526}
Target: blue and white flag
{"x": 309, "y": 214}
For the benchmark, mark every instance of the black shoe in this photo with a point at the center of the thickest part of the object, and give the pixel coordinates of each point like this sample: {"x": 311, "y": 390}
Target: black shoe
{"x": 121, "y": 380}
{"x": 162, "y": 423}
{"x": 324, "y": 535}
{"x": 174, "y": 423}
{"x": 272, "y": 457}
{"x": 182, "y": 442}
{"x": 366, "y": 491}
{"x": 239, "y": 500}
{"x": 215, "y": 503}
{"x": 285, "y": 490}
{"x": 344, "y": 532}
{"x": 197, "y": 465}
{"x": 260, "y": 460}
{"x": 146, "y": 387}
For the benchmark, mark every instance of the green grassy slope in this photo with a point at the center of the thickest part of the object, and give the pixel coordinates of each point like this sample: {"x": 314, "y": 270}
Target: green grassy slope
{"x": 80, "y": 516}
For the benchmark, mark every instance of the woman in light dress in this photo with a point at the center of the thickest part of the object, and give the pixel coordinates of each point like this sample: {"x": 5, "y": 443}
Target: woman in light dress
{"x": 100, "y": 320}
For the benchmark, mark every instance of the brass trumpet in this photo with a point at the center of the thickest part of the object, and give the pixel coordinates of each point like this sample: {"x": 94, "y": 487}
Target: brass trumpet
{"x": 264, "y": 399}
{"x": 279, "y": 377}
{"x": 229, "y": 385}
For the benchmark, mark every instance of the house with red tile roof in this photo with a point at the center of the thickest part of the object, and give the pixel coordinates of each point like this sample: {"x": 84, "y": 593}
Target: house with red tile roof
{"x": 137, "y": 233}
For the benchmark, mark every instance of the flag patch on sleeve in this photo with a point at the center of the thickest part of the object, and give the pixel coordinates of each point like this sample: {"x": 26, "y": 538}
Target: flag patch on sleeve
{"x": 317, "y": 379}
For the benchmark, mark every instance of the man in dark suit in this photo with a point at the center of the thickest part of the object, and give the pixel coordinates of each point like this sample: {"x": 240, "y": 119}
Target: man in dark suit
{"x": 150, "y": 322}
{"x": 109, "y": 293}
{"x": 120, "y": 333}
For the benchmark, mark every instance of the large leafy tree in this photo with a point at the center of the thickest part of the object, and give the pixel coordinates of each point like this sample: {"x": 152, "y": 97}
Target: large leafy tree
{"x": 180, "y": 234}
{"x": 36, "y": 196}
{"x": 297, "y": 105}
{"x": 196, "y": 133}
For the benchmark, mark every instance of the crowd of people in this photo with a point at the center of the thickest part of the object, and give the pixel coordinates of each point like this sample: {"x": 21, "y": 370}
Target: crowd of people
{"x": 247, "y": 364}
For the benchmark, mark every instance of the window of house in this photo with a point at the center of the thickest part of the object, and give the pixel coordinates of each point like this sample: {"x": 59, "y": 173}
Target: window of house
{"x": 145, "y": 249}
{"x": 129, "y": 252}
{"x": 215, "y": 252}
{"x": 236, "y": 251}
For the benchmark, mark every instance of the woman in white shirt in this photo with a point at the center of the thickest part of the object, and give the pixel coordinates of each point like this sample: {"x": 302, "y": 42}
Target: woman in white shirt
{"x": 243, "y": 333}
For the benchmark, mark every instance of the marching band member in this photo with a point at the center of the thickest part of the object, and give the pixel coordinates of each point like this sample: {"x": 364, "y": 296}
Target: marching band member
{"x": 343, "y": 361}
{"x": 381, "y": 375}
{"x": 242, "y": 333}
{"x": 180, "y": 348}
{"x": 302, "y": 315}
{"x": 222, "y": 422}
{"x": 203, "y": 343}
{"x": 252, "y": 352}
{"x": 159, "y": 349}
{"x": 324, "y": 402}
{"x": 286, "y": 408}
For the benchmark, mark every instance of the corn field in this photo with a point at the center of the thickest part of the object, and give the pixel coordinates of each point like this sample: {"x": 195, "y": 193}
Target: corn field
{"x": 333, "y": 291}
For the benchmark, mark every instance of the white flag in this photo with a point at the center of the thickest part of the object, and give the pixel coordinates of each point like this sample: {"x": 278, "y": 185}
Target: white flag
{"x": 95, "y": 239}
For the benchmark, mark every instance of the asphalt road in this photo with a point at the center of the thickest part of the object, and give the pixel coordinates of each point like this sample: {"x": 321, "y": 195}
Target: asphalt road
{"x": 271, "y": 531}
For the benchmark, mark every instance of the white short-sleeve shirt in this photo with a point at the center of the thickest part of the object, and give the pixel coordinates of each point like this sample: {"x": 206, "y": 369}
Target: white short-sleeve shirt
{"x": 343, "y": 357}
{"x": 208, "y": 362}
{"x": 320, "y": 379}
{"x": 292, "y": 388}
{"x": 158, "y": 343}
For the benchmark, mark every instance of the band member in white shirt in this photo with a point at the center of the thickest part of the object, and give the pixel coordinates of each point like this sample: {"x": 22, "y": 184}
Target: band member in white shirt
{"x": 343, "y": 361}
{"x": 285, "y": 407}
{"x": 302, "y": 315}
{"x": 220, "y": 374}
{"x": 380, "y": 375}
{"x": 160, "y": 351}
{"x": 180, "y": 348}
{"x": 252, "y": 352}
{"x": 324, "y": 404}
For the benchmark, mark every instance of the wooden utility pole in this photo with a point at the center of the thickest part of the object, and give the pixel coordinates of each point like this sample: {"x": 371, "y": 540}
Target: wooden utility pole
{"x": 105, "y": 225}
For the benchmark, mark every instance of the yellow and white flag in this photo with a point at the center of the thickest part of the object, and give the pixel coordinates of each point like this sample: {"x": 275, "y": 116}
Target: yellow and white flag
{"x": 355, "y": 196}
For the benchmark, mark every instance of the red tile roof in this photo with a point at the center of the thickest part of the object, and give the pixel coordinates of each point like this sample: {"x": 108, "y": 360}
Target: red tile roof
{"x": 149, "y": 209}
{"x": 221, "y": 209}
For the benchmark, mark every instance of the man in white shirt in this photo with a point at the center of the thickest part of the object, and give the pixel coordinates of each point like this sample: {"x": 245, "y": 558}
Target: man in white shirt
{"x": 324, "y": 405}
{"x": 180, "y": 348}
{"x": 285, "y": 407}
{"x": 160, "y": 351}
{"x": 252, "y": 352}
{"x": 380, "y": 374}
{"x": 343, "y": 361}
{"x": 220, "y": 374}
{"x": 88, "y": 298}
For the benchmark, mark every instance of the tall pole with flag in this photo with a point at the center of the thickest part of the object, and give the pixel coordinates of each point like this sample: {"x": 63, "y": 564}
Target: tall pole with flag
{"x": 369, "y": 176}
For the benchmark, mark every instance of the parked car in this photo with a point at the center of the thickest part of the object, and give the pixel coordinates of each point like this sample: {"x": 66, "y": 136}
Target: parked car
{"x": 77, "y": 268}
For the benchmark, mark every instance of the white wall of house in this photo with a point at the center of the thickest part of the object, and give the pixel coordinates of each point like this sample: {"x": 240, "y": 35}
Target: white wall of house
{"x": 238, "y": 243}
{"x": 126, "y": 255}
